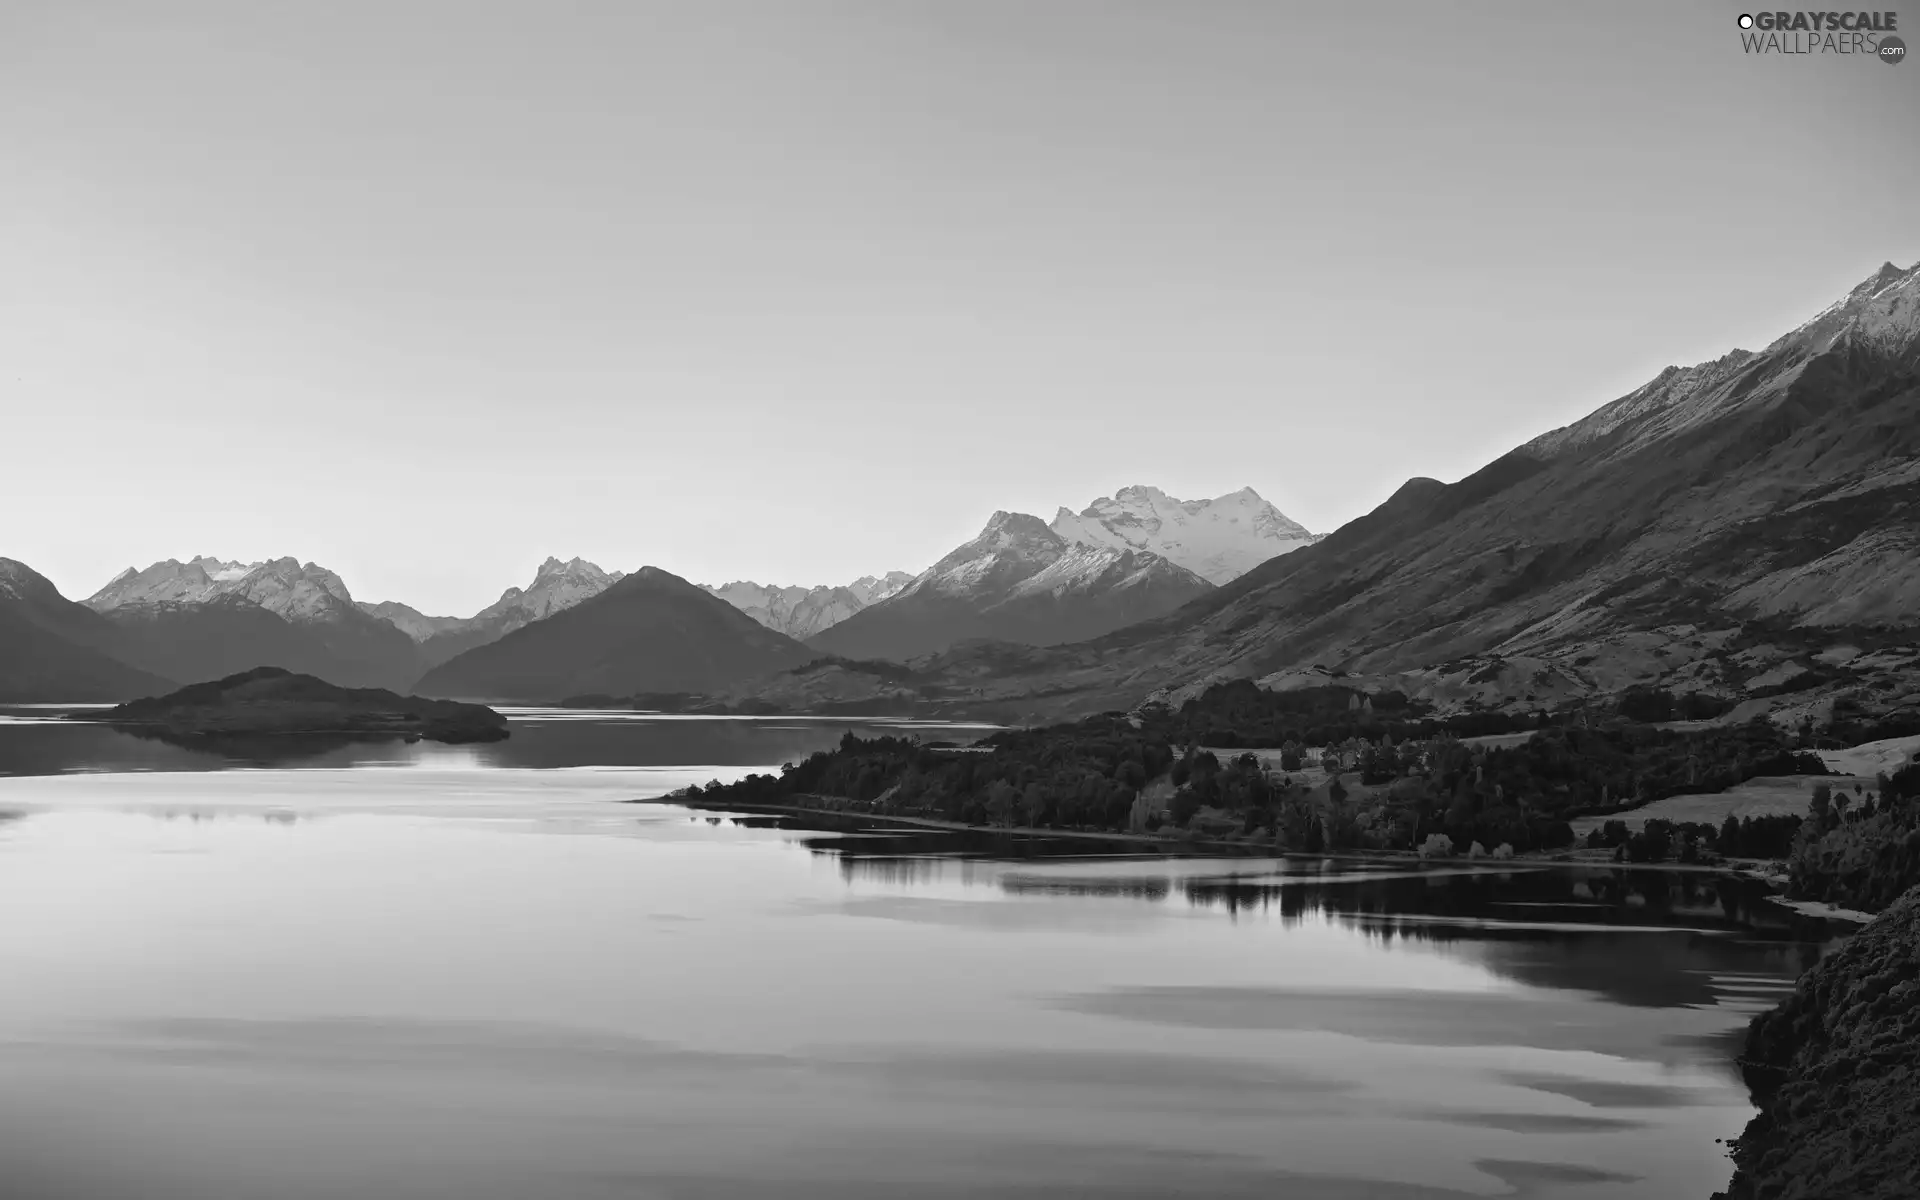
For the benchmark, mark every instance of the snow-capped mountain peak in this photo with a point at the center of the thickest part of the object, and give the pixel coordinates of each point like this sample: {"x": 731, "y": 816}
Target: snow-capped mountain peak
{"x": 285, "y": 586}
{"x": 1082, "y": 569}
{"x": 1011, "y": 547}
{"x": 1218, "y": 539}
{"x": 556, "y": 585}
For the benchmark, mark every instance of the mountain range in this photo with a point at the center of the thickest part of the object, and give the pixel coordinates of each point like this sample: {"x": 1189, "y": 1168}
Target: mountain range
{"x": 556, "y": 586}
{"x": 1018, "y": 581}
{"x": 648, "y": 632}
{"x": 1123, "y": 558}
{"x": 1748, "y": 526}
{"x": 1218, "y": 540}
{"x": 207, "y": 618}
{"x": 801, "y": 612}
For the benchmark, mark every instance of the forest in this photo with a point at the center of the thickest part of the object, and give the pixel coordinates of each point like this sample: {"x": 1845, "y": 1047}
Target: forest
{"x": 1862, "y": 850}
{"x": 1339, "y": 770}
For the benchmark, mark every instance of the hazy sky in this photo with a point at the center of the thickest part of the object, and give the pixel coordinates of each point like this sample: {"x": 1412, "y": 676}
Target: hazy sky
{"x": 799, "y": 291}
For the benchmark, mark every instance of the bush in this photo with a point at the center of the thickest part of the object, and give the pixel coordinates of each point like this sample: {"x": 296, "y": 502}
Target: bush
{"x": 1437, "y": 845}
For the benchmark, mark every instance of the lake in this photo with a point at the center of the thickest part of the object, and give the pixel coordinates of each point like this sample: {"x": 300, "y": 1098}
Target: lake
{"x": 418, "y": 971}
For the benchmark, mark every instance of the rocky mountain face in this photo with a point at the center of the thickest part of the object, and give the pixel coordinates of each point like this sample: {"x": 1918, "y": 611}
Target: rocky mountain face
{"x": 1749, "y": 526}
{"x": 1017, "y": 581}
{"x": 53, "y": 649}
{"x": 207, "y": 618}
{"x": 801, "y": 612}
{"x": 650, "y": 632}
{"x": 556, "y": 587}
{"x": 1218, "y": 540}
{"x": 872, "y": 589}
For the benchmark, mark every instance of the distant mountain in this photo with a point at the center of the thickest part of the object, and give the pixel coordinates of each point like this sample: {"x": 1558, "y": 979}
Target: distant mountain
{"x": 207, "y": 618}
{"x": 649, "y": 632}
{"x": 1749, "y": 526}
{"x": 1017, "y": 581}
{"x": 801, "y": 612}
{"x": 1219, "y": 540}
{"x": 51, "y": 648}
{"x": 409, "y": 620}
{"x": 556, "y": 587}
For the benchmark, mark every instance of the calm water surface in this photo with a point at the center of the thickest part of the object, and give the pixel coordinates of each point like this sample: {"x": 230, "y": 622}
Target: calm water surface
{"x": 440, "y": 974}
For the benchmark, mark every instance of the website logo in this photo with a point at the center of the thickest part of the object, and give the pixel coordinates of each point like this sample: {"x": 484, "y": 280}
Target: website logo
{"x": 1867, "y": 34}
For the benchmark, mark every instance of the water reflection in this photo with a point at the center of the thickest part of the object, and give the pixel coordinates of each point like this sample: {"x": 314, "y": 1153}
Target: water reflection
{"x": 1644, "y": 938}
{"x": 496, "y": 984}
{"x": 31, "y": 743}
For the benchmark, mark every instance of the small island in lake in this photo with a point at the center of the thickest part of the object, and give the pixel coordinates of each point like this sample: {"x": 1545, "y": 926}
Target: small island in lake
{"x": 274, "y": 700}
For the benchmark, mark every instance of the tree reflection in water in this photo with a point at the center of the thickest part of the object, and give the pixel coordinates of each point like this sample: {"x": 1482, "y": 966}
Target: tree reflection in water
{"x": 1642, "y": 937}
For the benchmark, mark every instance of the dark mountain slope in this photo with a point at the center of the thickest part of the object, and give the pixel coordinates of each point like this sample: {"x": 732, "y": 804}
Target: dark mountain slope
{"x": 1777, "y": 491}
{"x": 51, "y": 647}
{"x": 214, "y": 639}
{"x": 650, "y": 632}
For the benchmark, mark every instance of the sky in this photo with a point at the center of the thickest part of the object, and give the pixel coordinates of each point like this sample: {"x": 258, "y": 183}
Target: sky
{"x": 798, "y": 291}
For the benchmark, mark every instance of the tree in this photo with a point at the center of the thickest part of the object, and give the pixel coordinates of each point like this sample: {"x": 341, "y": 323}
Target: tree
{"x": 1035, "y": 803}
{"x": 1000, "y": 802}
{"x": 1820, "y": 807}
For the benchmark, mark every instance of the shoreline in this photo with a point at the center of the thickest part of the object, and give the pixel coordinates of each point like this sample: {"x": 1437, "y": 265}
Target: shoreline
{"x": 1251, "y": 849}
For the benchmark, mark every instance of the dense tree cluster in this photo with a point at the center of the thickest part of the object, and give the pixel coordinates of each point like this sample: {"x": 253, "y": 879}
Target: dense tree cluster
{"x": 1379, "y": 783}
{"x": 1086, "y": 775}
{"x": 1658, "y": 840}
{"x": 1657, "y": 704}
{"x": 1860, "y": 850}
{"x": 1577, "y": 770}
{"x": 1243, "y": 714}
{"x": 1852, "y": 725}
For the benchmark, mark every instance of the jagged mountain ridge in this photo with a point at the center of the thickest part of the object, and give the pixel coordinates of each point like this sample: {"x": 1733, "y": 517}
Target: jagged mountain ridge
{"x": 1018, "y": 581}
{"x": 556, "y": 587}
{"x": 207, "y": 618}
{"x": 649, "y": 632}
{"x": 283, "y": 586}
{"x": 1713, "y": 527}
{"x": 800, "y": 612}
{"x": 1219, "y": 539}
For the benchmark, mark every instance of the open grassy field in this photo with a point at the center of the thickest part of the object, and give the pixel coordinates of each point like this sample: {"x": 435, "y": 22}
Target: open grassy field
{"x": 1871, "y": 758}
{"x": 1766, "y": 796}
